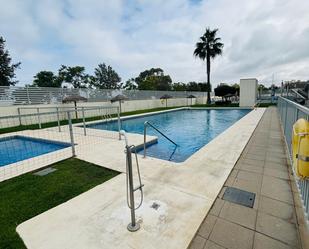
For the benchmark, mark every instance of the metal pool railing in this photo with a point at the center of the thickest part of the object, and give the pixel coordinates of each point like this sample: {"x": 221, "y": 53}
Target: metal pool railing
{"x": 51, "y": 127}
{"x": 289, "y": 113}
{"x": 145, "y": 133}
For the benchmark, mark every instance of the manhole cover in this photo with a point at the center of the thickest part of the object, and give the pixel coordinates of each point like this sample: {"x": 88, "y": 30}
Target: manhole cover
{"x": 239, "y": 196}
{"x": 45, "y": 172}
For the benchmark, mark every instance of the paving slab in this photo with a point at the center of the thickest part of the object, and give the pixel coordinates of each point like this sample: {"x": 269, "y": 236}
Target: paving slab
{"x": 207, "y": 226}
{"x": 212, "y": 245}
{"x": 277, "y": 228}
{"x": 238, "y": 214}
{"x": 198, "y": 243}
{"x": 277, "y": 208}
{"x": 276, "y": 188}
{"x": 264, "y": 242}
{"x": 230, "y": 235}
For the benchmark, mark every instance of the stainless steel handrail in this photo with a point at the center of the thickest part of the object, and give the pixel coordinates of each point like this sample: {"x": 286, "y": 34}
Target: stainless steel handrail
{"x": 133, "y": 225}
{"x": 152, "y": 126}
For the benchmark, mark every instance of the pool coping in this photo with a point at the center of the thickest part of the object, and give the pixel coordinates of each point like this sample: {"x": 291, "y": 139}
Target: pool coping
{"x": 35, "y": 139}
{"x": 164, "y": 111}
{"x": 139, "y": 147}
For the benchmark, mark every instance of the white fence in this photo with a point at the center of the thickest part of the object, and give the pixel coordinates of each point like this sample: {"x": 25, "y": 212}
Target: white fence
{"x": 31, "y": 141}
{"x": 289, "y": 113}
{"x": 48, "y": 95}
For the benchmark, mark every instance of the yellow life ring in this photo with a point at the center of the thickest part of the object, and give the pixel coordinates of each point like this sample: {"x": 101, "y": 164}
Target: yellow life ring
{"x": 300, "y": 148}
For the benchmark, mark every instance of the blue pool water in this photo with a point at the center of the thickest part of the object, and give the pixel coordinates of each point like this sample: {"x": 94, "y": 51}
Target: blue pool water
{"x": 17, "y": 148}
{"x": 190, "y": 129}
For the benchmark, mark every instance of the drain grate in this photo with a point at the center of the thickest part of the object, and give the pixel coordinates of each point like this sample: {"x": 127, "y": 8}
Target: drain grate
{"x": 45, "y": 172}
{"x": 239, "y": 196}
{"x": 155, "y": 206}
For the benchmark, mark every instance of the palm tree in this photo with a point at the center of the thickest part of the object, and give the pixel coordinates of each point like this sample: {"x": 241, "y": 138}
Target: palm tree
{"x": 208, "y": 47}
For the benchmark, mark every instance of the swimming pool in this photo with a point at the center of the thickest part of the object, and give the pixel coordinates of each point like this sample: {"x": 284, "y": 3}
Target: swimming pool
{"x": 190, "y": 129}
{"x": 17, "y": 148}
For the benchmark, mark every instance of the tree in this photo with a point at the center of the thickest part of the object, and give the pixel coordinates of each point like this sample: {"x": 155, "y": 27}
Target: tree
{"x": 237, "y": 88}
{"x": 261, "y": 87}
{"x": 204, "y": 87}
{"x": 105, "y": 77}
{"x": 46, "y": 79}
{"x": 160, "y": 83}
{"x": 75, "y": 76}
{"x": 223, "y": 89}
{"x": 179, "y": 86}
{"x": 7, "y": 69}
{"x": 193, "y": 87}
{"x": 130, "y": 84}
{"x": 207, "y": 48}
{"x": 154, "y": 79}
{"x": 151, "y": 72}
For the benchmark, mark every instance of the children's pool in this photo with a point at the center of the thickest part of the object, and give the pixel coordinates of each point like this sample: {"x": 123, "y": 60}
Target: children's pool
{"x": 17, "y": 148}
{"x": 190, "y": 129}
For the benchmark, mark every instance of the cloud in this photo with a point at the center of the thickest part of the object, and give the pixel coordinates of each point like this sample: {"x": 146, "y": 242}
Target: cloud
{"x": 261, "y": 37}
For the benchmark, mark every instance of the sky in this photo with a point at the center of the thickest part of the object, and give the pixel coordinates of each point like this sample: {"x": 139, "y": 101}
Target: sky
{"x": 263, "y": 39}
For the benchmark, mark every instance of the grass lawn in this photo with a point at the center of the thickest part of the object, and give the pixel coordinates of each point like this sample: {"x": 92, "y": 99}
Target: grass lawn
{"x": 28, "y": 195}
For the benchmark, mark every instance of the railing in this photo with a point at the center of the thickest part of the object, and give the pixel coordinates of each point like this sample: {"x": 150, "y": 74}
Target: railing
{"x": 57, "y": 118}
{"x": 48, "y": 95}
{"x": 152, "y": 126}
{"x": 133, "y": 225}
{"x": 60, "y": 127}
{"x": 289, "y": 113}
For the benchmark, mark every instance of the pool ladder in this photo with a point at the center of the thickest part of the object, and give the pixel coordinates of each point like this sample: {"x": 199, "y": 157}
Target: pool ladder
{"x": 156, "y": 129}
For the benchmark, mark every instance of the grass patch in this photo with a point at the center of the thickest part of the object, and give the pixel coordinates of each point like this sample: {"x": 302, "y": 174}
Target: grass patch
{"x": 28, "y": 195}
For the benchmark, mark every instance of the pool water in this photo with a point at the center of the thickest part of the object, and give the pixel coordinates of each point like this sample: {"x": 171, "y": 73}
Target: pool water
{"x": 17, "y": 148}
{"x": 190, "y": 129}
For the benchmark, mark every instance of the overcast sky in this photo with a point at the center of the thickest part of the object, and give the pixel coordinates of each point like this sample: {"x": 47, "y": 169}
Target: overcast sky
{"x": 261, "y": 37}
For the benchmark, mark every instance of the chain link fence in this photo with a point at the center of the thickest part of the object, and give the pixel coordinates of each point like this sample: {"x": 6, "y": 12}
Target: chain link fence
{"x": 289, "y": 113}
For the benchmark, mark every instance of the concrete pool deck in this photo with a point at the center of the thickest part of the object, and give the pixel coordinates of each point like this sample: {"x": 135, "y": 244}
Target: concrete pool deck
{"x": 185, "y": 192}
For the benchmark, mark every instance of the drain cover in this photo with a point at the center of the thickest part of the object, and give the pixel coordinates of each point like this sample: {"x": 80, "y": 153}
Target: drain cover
{"x": 239, "y": 196}
{"x": 155, "y": 206}
{"x": 45, "y": 172}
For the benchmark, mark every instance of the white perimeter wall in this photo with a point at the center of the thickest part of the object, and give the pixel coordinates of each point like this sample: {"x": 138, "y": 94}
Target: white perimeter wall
{"x": 127, "y": 106}
{"x": 248, "y": 92}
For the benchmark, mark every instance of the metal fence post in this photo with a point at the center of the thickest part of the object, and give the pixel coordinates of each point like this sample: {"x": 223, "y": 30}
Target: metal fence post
{"x": 119, "y": 124}
{"x": 71, "y": 134}
{"x": 84, "y": 123}
{"x": 39, "y": 118}
{"x": 19, "y": 117}
{"x": 58, "y": 119}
